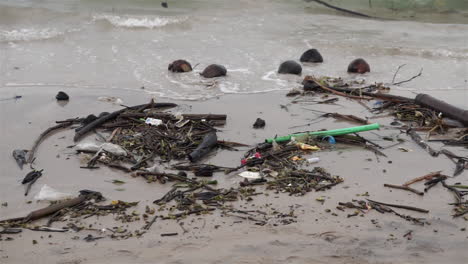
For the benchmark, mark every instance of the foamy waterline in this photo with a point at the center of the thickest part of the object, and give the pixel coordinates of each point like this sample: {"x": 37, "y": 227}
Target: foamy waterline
{"x": 29, "y": 34}
{"x": 138, "y": 21}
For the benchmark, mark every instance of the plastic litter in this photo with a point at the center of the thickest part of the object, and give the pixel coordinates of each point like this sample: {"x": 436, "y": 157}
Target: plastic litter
{"x": 47, "y": 193}
{"x": 153, "y": 121}
{"x": 257, "y": 155}
{"x": 304, "y": 146}
{"x": 250, "y": 175}
{"x": 96, "y": 147}
{"x": 330, "y": 139}
{"x": 20, "y": 156}
{"x": 88, "y": 147}
{"x": 113, "y": 149}
{"x": 336, "y": 132}
{"x": 110, "y": 99}
{"x": 313, "y": 160}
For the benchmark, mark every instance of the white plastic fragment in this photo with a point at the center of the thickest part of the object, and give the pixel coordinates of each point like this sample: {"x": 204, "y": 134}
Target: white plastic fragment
{"x": 313, "y": 160}
{"x": 250, "y": 175}
{"x": 110, "y": 99}
{"x": 113, "y": 149}
{"x": 153, "y": 121}
{"x": 49, "y": 194}
{"x": 88, "y": 147}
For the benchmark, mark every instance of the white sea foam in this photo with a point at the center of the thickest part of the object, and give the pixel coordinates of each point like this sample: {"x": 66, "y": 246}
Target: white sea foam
{"x": 29, "y": 34}
{"x": 139, "y": 21}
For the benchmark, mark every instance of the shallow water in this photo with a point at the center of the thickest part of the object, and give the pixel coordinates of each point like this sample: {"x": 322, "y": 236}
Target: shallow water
{"x": 128, "y": 45}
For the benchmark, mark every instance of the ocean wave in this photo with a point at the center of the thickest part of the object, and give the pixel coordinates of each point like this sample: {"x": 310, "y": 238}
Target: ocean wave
{"x": 139, "y": 21}
{"x": 29, "y": 34}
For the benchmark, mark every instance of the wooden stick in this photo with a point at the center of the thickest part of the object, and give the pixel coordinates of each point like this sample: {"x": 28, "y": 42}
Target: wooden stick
{"x": 337, "y": 92}
{"x": 43, "y": 136}
{"x": 401, "y": 206}
{"x": 429, "y": 176}
{"x": 406, "y": 188}
{"x": 350, "y": 12}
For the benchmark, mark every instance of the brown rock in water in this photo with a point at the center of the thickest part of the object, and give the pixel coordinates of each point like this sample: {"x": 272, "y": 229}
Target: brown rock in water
{"x": 290, "y": 67}
{"x": 311, "y": 55}
{"x": 358, "y": 66}
{"x": 214, "y": 70}
{"x": 180, "y": 66}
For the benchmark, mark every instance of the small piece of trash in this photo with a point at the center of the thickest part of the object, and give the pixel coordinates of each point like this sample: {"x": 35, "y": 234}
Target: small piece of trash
{"x": 48, "y": 193}
{"x": 404, "y": 149}
{"x": 250, "y": 175}
{"x": 111, "y": 99}
{"x": 153, "y": 121}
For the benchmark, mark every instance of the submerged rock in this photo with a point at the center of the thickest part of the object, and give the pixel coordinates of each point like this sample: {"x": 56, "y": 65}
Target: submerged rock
{"x": 311, "y": 55}
{"x": 180, "y": 66}
{"x": 358, "y": 66}
{"x": 290, "y": 67}
{"x": 214, "y": 70}
{"x": 62, "y": 96}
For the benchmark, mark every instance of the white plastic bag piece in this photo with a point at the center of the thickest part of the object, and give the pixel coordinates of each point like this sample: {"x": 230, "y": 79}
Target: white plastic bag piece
{"x": 114, "y": 149}
{"x": 313, "y": 160}
{"x": 110, "y": 99}
{"x": 88, "y": 146}
{"x": 250, "y": 175}
{"x": 153, "y": 121}
{"x": 49, "y": 194}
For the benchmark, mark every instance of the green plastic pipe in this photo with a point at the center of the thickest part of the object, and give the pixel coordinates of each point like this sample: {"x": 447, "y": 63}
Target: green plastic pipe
{"x": 335, "y": 132}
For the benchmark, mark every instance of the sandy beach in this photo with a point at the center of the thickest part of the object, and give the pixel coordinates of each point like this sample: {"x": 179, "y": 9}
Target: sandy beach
{"x": 101, "y": 50}
{"x": 316, "y": 237}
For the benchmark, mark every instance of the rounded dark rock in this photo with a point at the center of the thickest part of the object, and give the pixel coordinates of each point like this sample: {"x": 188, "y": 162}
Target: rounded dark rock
{"x": 290, "y": 67}
{"x": 358, "y": 66}
{"x": 180, "y": 66}
{"x": 214, "y": 70}
{"x": 311, "y": 55}
{"x": 62, "y": 96}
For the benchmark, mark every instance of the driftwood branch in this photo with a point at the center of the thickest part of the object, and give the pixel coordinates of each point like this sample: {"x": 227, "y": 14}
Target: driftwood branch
{"x": 400, "y": 206}
{"x": 44, "y": 135}
{"x": 406, "y": 188}
{"x": 347, "y": 11}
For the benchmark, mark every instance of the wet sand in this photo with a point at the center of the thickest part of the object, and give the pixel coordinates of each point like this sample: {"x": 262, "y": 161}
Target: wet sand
{"x": 317, "y": 237}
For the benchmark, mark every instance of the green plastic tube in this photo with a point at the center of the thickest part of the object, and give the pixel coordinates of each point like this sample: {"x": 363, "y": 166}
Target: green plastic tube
{"x": 335, "y": 132}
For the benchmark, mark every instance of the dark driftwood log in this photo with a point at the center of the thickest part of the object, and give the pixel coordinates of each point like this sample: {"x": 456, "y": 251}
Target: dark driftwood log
{"x": 100, "y": 121}
{"x": 441, "y": 106}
